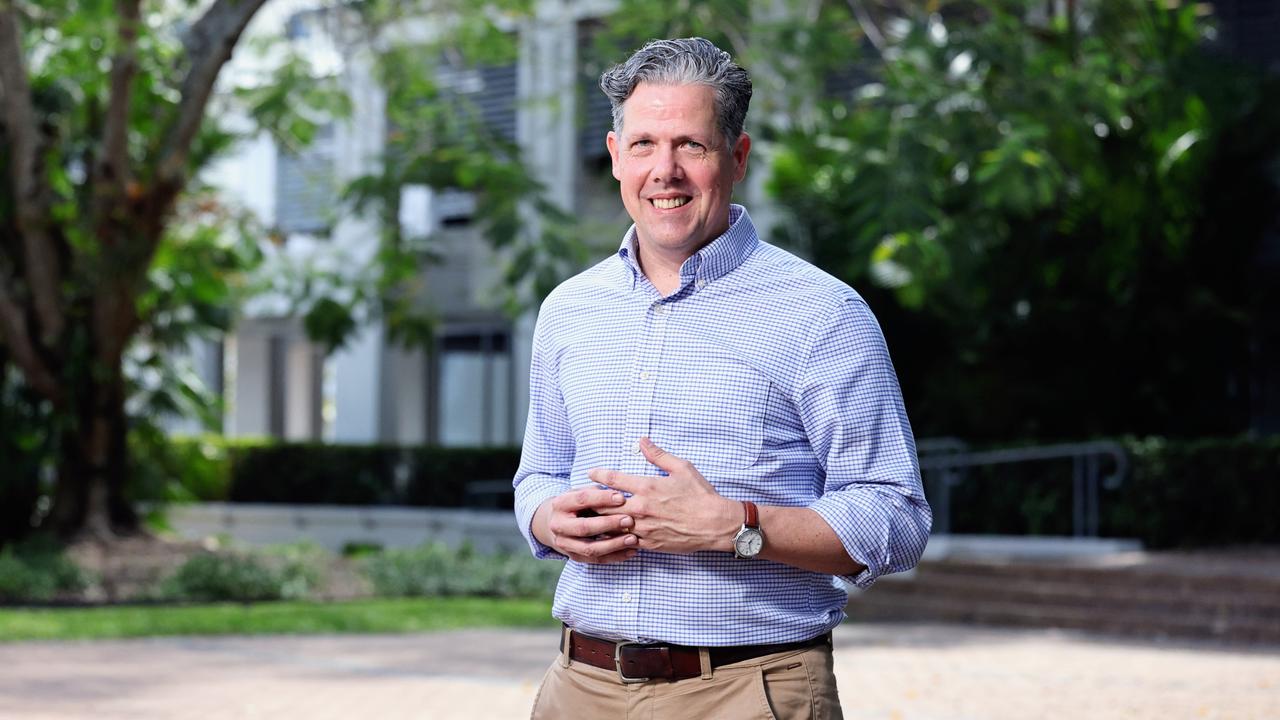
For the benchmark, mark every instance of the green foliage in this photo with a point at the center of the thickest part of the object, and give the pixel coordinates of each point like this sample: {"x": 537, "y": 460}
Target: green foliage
{"x": 212, "y": 468}
{"x": 361, "y": 616}
{"x": 290, "y": 572}
{"x": 168, "y": 469}
{"x": 435, "y": 570}
{"x": 37, "y": 571}
{"x": 791, "y": 47}
{"x": 26, "y": 444}
{"x": 363, "y": 474}
{"x": 1057, "y": 221}
{"x": 439, "y": 140}
{"x": 1198, "y": 493}
{"x": 211, "y": 256}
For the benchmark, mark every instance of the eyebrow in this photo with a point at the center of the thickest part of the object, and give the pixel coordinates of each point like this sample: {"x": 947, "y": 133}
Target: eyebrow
{"x": 678, "y": 140}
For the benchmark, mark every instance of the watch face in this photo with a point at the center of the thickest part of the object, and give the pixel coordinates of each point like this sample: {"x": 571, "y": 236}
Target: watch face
{"x": 748, "y": 542}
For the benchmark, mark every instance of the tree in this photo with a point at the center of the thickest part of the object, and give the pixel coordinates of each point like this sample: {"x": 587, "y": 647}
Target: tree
{"x": 1055, "y": 213}
{"x": 95, "y": 161}
{"x": 1059, "y": 217}
{"x": 111, "y": 256}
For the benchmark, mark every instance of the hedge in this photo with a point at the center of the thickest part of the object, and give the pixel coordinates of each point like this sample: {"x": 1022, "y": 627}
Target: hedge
{"x": 1176, "y": 494}
{"x": 262, "y": 471}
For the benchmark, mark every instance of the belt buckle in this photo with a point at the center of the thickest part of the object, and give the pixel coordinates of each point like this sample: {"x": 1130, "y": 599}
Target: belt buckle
{"x": 617, "y": 664}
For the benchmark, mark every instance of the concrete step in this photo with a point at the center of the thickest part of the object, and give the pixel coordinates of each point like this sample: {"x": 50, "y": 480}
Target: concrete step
{"x": 1069, "y": 617}
{"x": 1228, "y": 597}
{"x": 1154, "y": 576}
{"x": 1118, "y": 594}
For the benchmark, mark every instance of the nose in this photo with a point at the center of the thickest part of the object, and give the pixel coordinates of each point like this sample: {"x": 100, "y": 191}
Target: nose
{"x": 666, "y": 166}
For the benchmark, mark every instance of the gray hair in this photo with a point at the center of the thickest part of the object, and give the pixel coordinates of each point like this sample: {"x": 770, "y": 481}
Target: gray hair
{"x": 686, "y": 61}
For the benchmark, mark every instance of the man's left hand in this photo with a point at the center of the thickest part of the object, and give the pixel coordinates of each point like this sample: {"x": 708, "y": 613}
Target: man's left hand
{"x": 680, "y": 513}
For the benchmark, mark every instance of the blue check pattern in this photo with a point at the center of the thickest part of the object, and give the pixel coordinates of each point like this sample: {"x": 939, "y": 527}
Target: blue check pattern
{"x": 774, "y": 380}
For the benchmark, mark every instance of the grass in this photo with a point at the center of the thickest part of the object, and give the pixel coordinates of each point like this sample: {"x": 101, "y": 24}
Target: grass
{"x": 362, "y": 616}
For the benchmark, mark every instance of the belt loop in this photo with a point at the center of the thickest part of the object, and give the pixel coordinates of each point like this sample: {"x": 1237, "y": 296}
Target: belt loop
{"x": 704, "y": 658}
{"x": 566, "y": 637}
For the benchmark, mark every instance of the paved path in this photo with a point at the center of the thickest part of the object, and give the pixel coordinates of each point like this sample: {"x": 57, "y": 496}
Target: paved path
{"x": 887, "y": 672}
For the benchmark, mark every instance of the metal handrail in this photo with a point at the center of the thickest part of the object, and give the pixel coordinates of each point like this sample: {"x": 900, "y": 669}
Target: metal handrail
{"x": 943, "y": 458}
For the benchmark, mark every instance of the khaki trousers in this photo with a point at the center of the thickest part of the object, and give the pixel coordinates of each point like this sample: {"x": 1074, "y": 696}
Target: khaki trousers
{"x": 795, "y": 685}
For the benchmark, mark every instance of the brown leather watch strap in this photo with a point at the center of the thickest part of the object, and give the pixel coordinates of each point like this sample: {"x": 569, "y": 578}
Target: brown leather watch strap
{"x": 753, "y": 514}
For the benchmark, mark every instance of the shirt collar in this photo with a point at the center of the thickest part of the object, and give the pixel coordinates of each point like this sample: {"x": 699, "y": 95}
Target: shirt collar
{"x": 715, "y": 260}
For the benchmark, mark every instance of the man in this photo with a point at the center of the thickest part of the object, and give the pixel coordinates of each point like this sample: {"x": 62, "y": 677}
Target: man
{"x": 715, "y": 430}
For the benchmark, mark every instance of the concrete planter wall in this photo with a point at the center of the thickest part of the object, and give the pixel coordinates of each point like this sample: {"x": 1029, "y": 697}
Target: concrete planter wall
{"x": 332, "y": 527}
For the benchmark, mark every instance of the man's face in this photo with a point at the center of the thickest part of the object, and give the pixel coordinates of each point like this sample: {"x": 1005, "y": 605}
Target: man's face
{"x": 675, "y": 170}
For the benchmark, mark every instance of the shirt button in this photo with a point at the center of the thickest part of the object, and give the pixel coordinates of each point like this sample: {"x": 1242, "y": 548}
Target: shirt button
{"x": 701, "y": 284}
{"x": 644, "y": 375}
{"x": 626, "y": 597}
{"x": 635, "y": 447}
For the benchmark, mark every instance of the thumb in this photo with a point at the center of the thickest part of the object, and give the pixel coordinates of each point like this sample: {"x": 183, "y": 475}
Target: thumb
{"x": 659, "y": 457}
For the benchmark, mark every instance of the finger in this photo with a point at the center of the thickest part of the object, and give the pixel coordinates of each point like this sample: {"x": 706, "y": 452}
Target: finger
{"x": 635, "y": 507}
{"x": 570, "y": 526}
{"x": 602, "y": 525}
{"x": 585, "y": 498}
{"x": 619, "y": 480}
{"x": 661, "y": 458}
{"x": 606, "y": 559}
{"x": 593, "y": 549}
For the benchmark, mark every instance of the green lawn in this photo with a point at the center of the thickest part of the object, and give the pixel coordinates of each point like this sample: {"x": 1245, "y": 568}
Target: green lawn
{"x": 363, "y": 616}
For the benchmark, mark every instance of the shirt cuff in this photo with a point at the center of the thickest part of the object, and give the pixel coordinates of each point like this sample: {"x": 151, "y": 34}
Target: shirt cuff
{"x": 528, "y": 500}
{"x": 863, "y": 530}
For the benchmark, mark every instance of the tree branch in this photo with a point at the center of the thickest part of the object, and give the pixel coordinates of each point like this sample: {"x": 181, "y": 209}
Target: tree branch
{"x": 208, "y": 47}
{"x": 869, "y": 27}
{"x": 113, "y": 166}
{"x": 13, "y": 330}
{"x": 30, "y": 186}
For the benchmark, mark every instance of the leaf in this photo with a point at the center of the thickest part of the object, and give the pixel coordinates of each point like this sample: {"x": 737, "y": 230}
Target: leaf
{"x": 1177, "y": 149}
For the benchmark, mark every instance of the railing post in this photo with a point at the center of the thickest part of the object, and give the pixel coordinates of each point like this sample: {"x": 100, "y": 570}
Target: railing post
{"x": 1077, "y": 496}
{"x": 1092, "y": 515}
{"x": 943, "y": 460}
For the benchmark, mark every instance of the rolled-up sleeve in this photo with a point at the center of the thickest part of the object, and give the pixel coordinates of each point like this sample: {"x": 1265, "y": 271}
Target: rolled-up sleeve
{"x": 547, "y": 456}
{"x": 851, "y": 405}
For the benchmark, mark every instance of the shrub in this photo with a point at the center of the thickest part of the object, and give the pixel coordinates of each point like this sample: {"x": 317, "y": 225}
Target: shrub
{"x": 264, "y": 471}
{"x": 290, "y": 572}
{"x": 37, "y": 571}
{"x": 1198, "y": 493}
{"x": 1177, "y": 493}
{"x": 434, "y": 569}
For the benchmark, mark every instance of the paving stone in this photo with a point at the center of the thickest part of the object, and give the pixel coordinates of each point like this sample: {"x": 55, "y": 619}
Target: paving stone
{"x": 885, "y": 671}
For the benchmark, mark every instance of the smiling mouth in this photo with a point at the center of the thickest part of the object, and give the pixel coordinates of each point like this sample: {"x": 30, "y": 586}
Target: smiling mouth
{"x": 670, "y": 203}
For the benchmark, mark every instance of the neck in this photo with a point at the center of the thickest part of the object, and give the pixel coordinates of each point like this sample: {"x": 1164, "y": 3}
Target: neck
{"x": 662, "y": 271}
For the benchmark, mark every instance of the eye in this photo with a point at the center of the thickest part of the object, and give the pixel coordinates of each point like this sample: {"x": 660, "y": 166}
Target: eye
{"x": 641, "y": 143}
{"x": 694, "y": 145}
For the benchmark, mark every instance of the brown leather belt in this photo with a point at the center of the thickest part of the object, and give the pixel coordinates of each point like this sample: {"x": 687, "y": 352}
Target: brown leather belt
{"x": 635, "y": 662}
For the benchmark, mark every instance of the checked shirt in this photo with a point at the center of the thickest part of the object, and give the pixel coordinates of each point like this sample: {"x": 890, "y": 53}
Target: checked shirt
{"x": 774, "y": 380}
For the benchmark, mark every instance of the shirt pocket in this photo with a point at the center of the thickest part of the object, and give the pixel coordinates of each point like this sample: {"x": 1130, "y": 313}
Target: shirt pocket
{"x": 712, "y": 412}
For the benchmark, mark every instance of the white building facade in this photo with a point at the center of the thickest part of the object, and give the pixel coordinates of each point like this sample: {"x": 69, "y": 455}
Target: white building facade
{"x": 470, "y": 386}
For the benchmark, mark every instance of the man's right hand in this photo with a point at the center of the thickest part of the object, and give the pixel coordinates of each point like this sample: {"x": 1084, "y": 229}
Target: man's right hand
{"x": 565, "y": 523}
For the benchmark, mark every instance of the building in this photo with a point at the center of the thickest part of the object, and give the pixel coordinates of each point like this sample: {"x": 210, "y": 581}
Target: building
{"x": 470, "y": 387}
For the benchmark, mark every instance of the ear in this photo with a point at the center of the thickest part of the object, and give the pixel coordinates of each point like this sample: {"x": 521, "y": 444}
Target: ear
{"x": 611, "y": 140}
{"x": 740, "y": 153}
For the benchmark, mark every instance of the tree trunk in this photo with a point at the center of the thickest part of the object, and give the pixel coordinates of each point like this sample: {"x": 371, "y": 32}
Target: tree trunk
{"x": 93, "y": 464}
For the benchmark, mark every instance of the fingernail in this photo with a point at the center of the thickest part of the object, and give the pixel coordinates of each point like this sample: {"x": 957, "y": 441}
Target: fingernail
{"x": 629, "y": 540}
{"x": 626, "y": 522}
{"x": 618, "y": 498}
{"x": 591, "y": 474}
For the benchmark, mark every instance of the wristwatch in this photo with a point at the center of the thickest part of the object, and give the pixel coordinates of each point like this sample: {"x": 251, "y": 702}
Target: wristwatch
{"x": 749, "y": 541}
